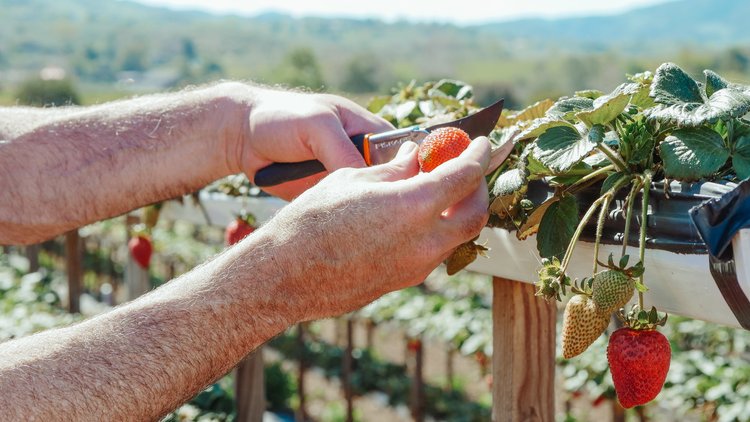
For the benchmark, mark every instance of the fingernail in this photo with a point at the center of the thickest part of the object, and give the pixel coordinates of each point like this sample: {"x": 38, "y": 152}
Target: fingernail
{"x": 406, "y": 148}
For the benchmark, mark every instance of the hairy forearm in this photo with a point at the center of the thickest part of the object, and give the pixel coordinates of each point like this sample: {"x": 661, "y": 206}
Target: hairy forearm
{"x": 64, "y": 168}
{"x": 143, "y": 359}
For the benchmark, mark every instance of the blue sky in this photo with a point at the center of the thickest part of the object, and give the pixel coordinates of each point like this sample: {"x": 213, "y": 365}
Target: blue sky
{"x": 454, "y": 11}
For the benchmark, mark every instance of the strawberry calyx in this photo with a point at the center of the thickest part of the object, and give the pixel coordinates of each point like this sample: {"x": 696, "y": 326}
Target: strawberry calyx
{"x": 247, "y": 218}
{"x": 553, "y": 282}
{"x": 639, "y": 319}
{"x": 634, "y": 271}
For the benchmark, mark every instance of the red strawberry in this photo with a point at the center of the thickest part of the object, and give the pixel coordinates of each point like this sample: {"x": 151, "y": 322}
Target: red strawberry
{"x": 238, "y": 229}
{"x": 639, "y": 361}
{"x": 440, "y": 146}
{"x": 414, "y": 345}
{"x": 141, "y": 249}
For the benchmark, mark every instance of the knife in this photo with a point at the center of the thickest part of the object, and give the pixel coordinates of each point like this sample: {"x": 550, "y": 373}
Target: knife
{"x": 378, "y": 148}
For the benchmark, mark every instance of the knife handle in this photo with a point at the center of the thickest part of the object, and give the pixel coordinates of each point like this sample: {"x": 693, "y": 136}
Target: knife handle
{"x": 278, "y": 173}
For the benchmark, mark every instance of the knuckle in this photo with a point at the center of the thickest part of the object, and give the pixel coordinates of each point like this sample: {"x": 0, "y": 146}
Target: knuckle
{"x": 474, "y": 223}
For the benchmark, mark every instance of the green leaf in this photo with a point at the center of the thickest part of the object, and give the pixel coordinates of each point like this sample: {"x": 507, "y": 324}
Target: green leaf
{"x": 714, "y": 82}
{"x": 377, "y": 103}
{"x": 673, "y": 85}
{"x": 557, "y": 227}
{"x": 615, "y": 179}
{"x": 407, "y": 109}
{"x": 534, "y": 111}
{"x": 725, "y": 103}
{"x": 452, "y": 88}
{"x": 605, "y": 109}
{"x": 741, "y": 157}
{"x": 562, "y": 147}
{"x": 597, "y": 133}
{"x": 509, "y": 182}
{"x": 531, "y": 225}
{"x": 693, "y": 153}
{"x": 566, "y": 108}
{"x": 539, "y": 126}
{"x": 589, "y": 93}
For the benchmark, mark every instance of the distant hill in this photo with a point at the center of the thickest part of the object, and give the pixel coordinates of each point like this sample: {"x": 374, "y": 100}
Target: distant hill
{"x": 108, "y": 41}
{"x": 649, "y": 29}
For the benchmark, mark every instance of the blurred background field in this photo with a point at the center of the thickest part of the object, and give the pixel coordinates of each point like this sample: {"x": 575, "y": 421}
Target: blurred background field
{"x": 89, "y": 51}
{"x": 111, "y": 49}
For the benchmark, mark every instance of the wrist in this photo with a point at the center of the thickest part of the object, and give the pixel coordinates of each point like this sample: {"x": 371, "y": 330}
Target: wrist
{"x": 236, "y": 101}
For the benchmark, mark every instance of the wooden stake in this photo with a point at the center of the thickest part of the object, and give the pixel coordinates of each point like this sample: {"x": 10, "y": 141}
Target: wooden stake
{"x": 75, "y": 271}
{"x": 302, "y": 410}
{"x": 347, "y": 370}
{"x": 523, "y": 358}
{"x": 250, "y": 387}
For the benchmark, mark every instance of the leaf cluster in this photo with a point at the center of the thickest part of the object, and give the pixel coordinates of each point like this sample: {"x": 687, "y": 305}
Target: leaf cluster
{"x": 665, "y": 124}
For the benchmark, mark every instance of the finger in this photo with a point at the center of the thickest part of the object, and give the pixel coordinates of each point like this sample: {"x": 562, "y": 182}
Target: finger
{"x": 455, "y": 179}
{"x": 334, "y": 149}
{"x": 403, "y": 166}
{"x": 466, "y": 218}
{"x": 357, "y": 120}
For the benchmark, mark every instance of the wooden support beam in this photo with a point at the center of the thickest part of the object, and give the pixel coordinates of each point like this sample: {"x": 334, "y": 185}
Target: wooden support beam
{"x": 417, "y": 398}
{"x": 137, "y": 280}
{"x": 250, "y": 390}
{"x": 32, "y": 254}
{"x": 347, "y": 370}
{"x": 302, "y": 410}
{"x": 523, "y": 358}
{"x": 75, "y": 270}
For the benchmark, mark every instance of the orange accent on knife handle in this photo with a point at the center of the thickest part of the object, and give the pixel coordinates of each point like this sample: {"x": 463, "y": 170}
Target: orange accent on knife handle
{"x": 366, "y": 149}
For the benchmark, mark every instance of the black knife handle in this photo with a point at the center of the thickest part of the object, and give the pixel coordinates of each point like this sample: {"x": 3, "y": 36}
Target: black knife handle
{"x": 278, "y": 173}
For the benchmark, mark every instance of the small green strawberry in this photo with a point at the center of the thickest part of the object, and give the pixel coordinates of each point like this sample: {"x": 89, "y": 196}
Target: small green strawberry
{"x": 582, "y": 325}
{"x": 464, "y": 255}
{"x": 612, "y": 289}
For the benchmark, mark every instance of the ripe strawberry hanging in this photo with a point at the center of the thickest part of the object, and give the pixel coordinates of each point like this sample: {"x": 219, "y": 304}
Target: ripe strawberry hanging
{"x": 141, "y": 249}
{"x": 639, "y": 358}
{"x": 239, "y": 228}
{"x": 440, "y": 146}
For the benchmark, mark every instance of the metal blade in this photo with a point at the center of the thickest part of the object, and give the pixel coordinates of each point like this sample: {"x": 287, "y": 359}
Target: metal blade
{"x": 480, "y": 123}
{"x": 382, "y": 147}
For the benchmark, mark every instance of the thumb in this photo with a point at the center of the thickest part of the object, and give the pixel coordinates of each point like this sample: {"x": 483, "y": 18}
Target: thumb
{"x": 403, "y": 166}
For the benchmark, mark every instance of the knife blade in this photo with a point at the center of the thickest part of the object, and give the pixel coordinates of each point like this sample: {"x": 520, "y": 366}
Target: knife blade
{"x": 378, "y": 148}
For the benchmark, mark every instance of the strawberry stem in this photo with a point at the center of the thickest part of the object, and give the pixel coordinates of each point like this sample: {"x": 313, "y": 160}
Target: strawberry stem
{"x": 591, "y": 176}
{"x": 613, "y": 156}
{"x": 644, "y": 217}
{"x": 579, "y": 230}
{"x": 599, "y": 229}
{"x": 629, "y": 214}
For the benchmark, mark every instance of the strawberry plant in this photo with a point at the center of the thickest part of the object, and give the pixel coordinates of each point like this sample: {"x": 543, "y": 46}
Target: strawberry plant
{"x": 650, "y": 130}
{"x": 581, "y": 159}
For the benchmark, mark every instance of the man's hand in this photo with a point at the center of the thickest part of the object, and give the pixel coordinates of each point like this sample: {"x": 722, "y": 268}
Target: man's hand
{"x": 293, "y": 127}
{"x": 361, "y": 233}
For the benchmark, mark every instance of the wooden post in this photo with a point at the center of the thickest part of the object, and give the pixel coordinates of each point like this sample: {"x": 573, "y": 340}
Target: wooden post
{"x": 449, "y": 367}
{"x": 136, "y": 278}
{"x": 75, "y": 271}
{"x": 370, "y": 334}
{"x": 523, "y": 358}
{"x": 250, "y": 387}
{"x": 417, "y": 385}
{"x": 32, "y": 254}
{"x": 347, "y": 370}
{"x": 302, "y": 411}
